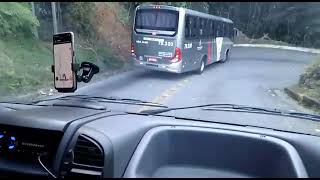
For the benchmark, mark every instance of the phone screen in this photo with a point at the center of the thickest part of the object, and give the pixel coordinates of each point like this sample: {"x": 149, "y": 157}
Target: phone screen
{"x": 63, "y": 59}
{"x": 63, "y": 68}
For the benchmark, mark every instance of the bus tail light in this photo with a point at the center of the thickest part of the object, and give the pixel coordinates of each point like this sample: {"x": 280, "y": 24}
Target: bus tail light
{"x": 177, "y": 55}
{"x": 133, "y": 50}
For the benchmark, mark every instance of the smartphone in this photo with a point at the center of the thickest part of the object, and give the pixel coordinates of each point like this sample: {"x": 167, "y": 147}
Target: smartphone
{"x": 65, "y": 78}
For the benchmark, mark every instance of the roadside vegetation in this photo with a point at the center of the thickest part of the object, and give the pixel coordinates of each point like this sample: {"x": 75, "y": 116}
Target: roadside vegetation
{"x": 25, "y": 61}
{"x": 307, "y": 91}
{"x": 309, "y": 83}
{"x": 241, "y": 38}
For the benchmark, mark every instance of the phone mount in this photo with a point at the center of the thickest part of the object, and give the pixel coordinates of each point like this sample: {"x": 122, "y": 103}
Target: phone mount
{"x": 88, "y": 70}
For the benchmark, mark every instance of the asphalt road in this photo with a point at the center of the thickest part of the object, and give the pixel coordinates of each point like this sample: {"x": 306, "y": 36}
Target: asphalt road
{"x": 252, "y": 76}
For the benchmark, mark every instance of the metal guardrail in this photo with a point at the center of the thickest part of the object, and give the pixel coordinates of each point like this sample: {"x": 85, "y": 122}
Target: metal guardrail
{"x": 309, "y": 50}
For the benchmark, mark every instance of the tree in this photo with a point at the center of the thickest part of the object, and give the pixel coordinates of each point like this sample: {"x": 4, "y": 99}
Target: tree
{"x": 291, "y": 22}
{"x": 17, "y": 18}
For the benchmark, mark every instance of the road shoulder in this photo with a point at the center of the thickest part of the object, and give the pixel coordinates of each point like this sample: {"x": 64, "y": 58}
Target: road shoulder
{"x": 302, "y": 98}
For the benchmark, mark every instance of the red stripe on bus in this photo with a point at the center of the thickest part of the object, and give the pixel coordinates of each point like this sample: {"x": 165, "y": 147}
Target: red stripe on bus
{"x": 209, "y": 53}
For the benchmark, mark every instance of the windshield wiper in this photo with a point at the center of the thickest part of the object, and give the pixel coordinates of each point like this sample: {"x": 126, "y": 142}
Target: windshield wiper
{"x": 238, "y": 108}
{"x": 244, "y": 108}
{"x": 233, "y": 106}
{"x": 307, "y": 115}
{"x": 94, "y": 98}
{"x": 113, "y": 100}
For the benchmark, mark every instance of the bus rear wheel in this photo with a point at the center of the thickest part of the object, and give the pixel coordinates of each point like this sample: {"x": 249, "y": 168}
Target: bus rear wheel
{"x": 201, "y": 68}
{"x": 226, "y": 58}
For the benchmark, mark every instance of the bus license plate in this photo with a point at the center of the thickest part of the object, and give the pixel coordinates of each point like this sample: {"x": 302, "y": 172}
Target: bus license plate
{"x": 152, "y": 59}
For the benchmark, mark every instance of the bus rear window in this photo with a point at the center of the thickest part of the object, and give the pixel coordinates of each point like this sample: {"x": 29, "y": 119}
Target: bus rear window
{"x": 157, "y": 19}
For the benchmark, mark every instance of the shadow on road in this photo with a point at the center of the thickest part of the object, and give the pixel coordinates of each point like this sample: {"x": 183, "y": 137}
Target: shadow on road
{"x": 150, "y": 74}
{"x": 163, "y": 75}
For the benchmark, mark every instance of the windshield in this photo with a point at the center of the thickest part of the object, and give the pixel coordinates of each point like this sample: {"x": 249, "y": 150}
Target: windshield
{"x": 171, "y": 54}
{"x": 153, "y": 19}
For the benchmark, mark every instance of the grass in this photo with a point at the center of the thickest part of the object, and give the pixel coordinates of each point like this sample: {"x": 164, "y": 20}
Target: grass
{"x": 313, "y": 90}
{"x": 25, "y": 65}
{"x": 102, "y": 57}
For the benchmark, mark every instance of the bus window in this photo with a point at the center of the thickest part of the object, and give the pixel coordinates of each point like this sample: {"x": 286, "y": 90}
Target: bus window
{"x": 197, "y": 29}
{"x": 223, "y": 29}
{"x": 188, "y": 27}
{"x": 160, "y": 20}
{"x": 212, "y": 29}
{"x": 228, "y": 26}
{"x": 201, "y": 27}
{"x": 226, "y": 29}
{"x": 231, "y": 31}
{"x": 207, "y": 28}
{"x": 217, "y": 24}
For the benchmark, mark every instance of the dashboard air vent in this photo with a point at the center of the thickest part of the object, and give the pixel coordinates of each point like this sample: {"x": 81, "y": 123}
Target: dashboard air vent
{"x": 88, "y": 152}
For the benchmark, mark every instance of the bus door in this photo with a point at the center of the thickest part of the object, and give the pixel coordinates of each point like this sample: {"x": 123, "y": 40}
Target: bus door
{"x": 219, "y": 40}
{"x": 194, "y": 44}
{"x": 211, "y": 43}
{"x": 190, "y": 43}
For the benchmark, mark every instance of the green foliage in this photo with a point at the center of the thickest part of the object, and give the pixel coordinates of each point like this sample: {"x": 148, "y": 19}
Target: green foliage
{"x": 309, "y": 82}
{"x": 314, "y": 67}
{"x": 99, "y": 55}
{"x": 292, "y": 22}
{"x": 122, "y": 12}
{"x": 24, "y": 65}
{"x": 16, "y": 18}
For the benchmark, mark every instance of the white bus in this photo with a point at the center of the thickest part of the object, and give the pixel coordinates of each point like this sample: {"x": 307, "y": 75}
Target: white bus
{"x": 175, "y": 39}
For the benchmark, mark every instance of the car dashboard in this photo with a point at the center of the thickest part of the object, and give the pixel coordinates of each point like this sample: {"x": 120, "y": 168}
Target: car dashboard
{"x": 79, "y": 142}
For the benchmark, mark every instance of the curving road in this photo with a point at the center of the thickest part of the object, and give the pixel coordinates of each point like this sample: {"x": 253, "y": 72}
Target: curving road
{"x": 253, "y": 76}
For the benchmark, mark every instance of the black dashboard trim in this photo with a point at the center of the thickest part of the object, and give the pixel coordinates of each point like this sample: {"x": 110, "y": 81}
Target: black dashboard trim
{"x": 232, "y": 124}
{"x": 108, "y": 168}
{"x": 159, "y": 136}
{"x": 70, "y": 132}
